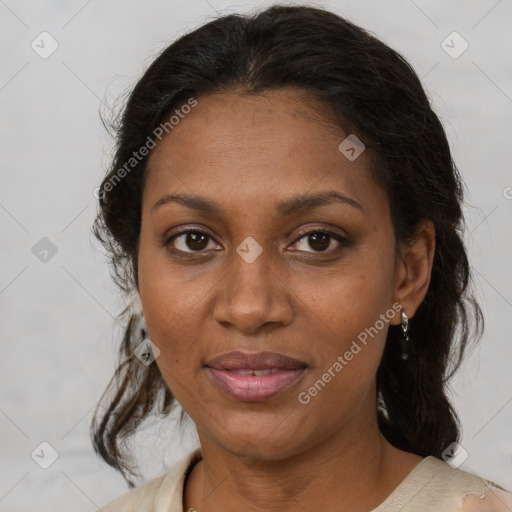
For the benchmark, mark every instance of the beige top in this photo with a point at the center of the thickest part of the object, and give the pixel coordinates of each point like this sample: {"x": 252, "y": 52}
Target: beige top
{"x": 432, "y": 486}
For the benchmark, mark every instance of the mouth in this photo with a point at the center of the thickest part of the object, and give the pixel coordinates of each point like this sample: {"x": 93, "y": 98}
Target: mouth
{"x": 255, "y": 385}
{"x": 257, "y": 372}
{"x": 254, "y": 377}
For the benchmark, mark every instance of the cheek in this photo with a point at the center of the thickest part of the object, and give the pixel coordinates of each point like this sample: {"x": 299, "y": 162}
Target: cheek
{"x": 343, "y": 314}
{"x": 174, "y": 324}
{"x": 168, "y": 294}
{"x": 347, "y": 299}
{"x": 172, "y": 310}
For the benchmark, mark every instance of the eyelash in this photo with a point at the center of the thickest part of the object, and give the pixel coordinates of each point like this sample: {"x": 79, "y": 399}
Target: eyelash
{"x": 325, "y": 231}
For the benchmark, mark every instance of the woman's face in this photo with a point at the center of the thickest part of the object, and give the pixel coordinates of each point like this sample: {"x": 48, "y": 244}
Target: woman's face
{"x": 258, "y": 278}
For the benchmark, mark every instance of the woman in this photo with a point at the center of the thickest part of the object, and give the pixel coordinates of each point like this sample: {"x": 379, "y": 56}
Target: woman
{"x": 284, "y": 205}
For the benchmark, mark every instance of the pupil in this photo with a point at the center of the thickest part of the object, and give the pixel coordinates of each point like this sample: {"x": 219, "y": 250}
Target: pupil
{"x": 324, "y": 241}
{"x": 194, "y": 239}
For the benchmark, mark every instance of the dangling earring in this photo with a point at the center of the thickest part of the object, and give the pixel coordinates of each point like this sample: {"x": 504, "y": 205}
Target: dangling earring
{"x": 405, "y": 341}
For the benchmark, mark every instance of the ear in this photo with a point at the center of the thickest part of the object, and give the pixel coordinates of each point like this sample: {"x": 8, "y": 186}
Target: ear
{"x": 413, "y": 270}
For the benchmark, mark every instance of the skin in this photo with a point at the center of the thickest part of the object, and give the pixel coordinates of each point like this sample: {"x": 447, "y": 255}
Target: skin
{"x": 246, "y": 153}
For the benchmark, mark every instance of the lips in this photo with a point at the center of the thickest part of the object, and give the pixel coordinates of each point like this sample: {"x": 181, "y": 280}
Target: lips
{"x": 254, "y": 377}
{"x": 242, "y": 361}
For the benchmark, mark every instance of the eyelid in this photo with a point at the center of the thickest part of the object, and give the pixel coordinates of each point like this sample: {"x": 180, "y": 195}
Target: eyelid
{"x": 167, "y": 239}
{"x": 319, "y": 229}
{"x": 331, "y": 232}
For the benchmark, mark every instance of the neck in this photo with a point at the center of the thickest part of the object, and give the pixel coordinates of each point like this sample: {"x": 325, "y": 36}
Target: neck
{"x": 342, "y": 472}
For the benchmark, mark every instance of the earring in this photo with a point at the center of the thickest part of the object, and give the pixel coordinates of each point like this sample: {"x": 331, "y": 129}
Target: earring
{"x": 405, "y": 341}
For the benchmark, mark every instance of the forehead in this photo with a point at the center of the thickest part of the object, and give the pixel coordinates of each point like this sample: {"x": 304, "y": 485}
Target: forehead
{"x": 242, "y": 148}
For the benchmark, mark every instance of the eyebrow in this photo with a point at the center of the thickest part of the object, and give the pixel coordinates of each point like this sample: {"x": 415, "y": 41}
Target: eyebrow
{"x": 287, "y": 207}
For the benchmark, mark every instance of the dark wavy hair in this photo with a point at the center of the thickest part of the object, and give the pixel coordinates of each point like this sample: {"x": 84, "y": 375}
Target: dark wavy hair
{"x": 368, "y": 89}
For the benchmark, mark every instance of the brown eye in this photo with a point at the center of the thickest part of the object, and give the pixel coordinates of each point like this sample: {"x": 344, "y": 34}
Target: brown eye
{"x": 189, "y": 241}
{"x": 319, "y": 241}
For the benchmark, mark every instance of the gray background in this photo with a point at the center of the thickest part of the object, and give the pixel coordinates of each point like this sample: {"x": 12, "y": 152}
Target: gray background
{"x": 59, "y": 341}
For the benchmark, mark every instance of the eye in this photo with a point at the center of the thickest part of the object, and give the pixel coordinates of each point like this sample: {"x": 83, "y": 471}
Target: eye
{"x": 191, "y": 240}
{"x": 320, "y": 240}
{"x": 196, "y": 241}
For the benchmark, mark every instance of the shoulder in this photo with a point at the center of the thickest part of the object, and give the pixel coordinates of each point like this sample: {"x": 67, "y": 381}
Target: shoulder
{"x": 434, "y": 485}
{"x": 493, "y": 499}
{"x": 161, "y": 494}
{"x": 140, "y": 498}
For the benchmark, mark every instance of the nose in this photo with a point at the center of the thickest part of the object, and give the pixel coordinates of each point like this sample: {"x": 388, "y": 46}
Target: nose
{"x": 252, "y": 294}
